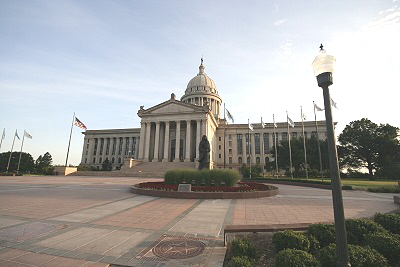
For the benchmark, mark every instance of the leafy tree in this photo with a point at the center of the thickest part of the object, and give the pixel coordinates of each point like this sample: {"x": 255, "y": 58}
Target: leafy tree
{"x": 297, "y": 148}
{"x": 43, "y": 164}
{"x": 106, "y": 165}
{"x": 27, "y": 164}
{"x": 366, "y": 144}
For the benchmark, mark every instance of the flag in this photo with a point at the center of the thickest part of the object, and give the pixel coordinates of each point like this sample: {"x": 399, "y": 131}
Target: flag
{"x": 16, "y": 135}
{"x": 251, "y": 127}
{"x": 290, "y": 121}
{"x": 262, "y": 123}
{"x": 230, "y": 116}
{"x": 79, "y": 123}
{"x": 333, "y": 103}
{"x": 303, "y": 116}
{"x": 27, "y": 135}
{"x": 4, "y": 134}
{"x": 273, "y": 116}
{"x": 317, "y": 108}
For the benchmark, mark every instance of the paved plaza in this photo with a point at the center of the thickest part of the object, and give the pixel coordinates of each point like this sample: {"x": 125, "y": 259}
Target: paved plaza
{"x": 87, "y": 221}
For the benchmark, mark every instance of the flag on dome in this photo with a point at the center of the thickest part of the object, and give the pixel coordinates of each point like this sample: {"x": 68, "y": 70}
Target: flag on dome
{"x": 79, "y": 123}
{"x": 27, "y": 135}
{"x": 334, "y": 103}
{"x": 229, "y": 116}
{"x": 290, "y": 121}
{"x": 16, "y": 135}
{"x": 317, "y": 108}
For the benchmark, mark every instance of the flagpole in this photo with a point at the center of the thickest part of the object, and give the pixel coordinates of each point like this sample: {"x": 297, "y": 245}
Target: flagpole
{"x": 20, "y": 153}
{"x": 304, "y": 142}
{"x": 290, "y": 149}
{"x": 2, "y": 137}
{"x": 276, "y": 149}
{"x": 319, "y": 147}
{"x": 262, "y": 146}
{"x": 224, "y": 138}
{"x": 69, "y": 142}
{"x": 12, "y": 147}
{"x": 249, "y": 146}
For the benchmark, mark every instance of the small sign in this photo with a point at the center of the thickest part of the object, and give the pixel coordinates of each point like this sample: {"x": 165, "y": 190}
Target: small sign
{"x": 184, "y": 188}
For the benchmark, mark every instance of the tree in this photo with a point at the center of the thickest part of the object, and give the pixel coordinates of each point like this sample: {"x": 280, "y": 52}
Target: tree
{"x": 297, "y": 148}
{"x": 43, "y": 164}
{"x": 366, "y": 144}
{"x": 106, "y": 165}
{"x": 27, "y": 164}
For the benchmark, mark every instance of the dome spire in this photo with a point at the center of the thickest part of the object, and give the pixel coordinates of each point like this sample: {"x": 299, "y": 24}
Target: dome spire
{"x": 201, "y": 68}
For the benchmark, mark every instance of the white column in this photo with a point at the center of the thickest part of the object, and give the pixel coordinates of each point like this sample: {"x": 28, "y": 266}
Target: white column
{"x": 253, "y": 149}
{"x": 90, "y": 152}
{"x": 188, "y": 139}
{"x": 123, "y": 148}
{"x": 147, "y": 143}
{"x": 142, "y": 138}
{"x": 198, "y": 133}
{"x": 177, "y": 140}
{"x": 157, "y": 141}
{"x": 166, "y": 142}
{"x": 103, "y": 153}
{"x": 137, "y": 147}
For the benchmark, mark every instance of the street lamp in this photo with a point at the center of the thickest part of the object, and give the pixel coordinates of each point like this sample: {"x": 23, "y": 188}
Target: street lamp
{"x": 323, "y": 69}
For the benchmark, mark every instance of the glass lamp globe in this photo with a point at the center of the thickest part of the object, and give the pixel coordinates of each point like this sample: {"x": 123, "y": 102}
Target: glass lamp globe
{"x": 323, "y": 62}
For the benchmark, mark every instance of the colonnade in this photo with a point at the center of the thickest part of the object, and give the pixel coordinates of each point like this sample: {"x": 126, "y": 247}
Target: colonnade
{"x": 170, "y": 140}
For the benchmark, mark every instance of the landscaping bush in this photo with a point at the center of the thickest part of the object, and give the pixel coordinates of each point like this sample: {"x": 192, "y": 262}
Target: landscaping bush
{"x": 314, "y": 244}
{"x": 324, "y": 233}
{"x": 358, "y": 229}
{"x": 295, "y": 258}
{"x": 385, "y": 189}
{"x": 244, "y": 247}
{"x": 358, "y": 257}
{"x": 290, "y": 239}
{"x": 241, "y": 261}
{"x": 347, "y": 187}
{"x": 208, "y": 177}
{"x": 387, "y": 245}
{"x": 390, "y": 222}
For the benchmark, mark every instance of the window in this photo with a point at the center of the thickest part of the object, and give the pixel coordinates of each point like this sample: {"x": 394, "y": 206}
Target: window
{"x": 247, "y": 143}
{"x": 230, "y": 151}
{"x": 219, "y": 138}
{"x": 96, "y": 141}
{"x": 85, "y": 160}
{"x": 257, "y": 143}
{"x": 113, "y": 160}
{"x": 266, "y": 142}
{"x": 266, "y": 159}
{"x": 240, "y": 160}
{"x": 133, "y": 149}
{"x": 219, "y": 147}
{"x": 284, "y": 136}
{"x": 229, "y": 136}
{"x": 119, "y": 160}
{"x": 100, "y": 160}
{"x": 239, "y": 144}
{"x": 230, "y": 143}
{"x": 294, "y": 135}
{"x": 94, "y": 160}
{"x": 258, "y": 160}
{"x": 219, "y": 155}
{"x": 230, "y": 160}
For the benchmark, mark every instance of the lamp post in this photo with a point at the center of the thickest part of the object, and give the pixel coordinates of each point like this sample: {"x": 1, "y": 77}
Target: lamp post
{"x": 323, "y": 69}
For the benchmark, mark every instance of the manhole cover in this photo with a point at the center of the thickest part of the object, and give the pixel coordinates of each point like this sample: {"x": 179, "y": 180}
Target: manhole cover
{"x": 179, "y": 249}
{"x": 29, "y": 231}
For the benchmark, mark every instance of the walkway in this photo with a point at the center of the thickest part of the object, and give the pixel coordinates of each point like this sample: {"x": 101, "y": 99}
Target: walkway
{"x": 89, "y": 221}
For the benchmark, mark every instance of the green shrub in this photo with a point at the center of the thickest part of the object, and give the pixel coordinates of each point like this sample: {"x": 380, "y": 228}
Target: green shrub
{"x": 390, "y": 222}
{"x": 314, "y": 244}
{"x": 387, "y": 245}
{"x": 358, "y": 257}
{"x": 358, "y": 229}
{"x": 295, "y": 258}
{"x": 241, "y": 261}
{"x": 244, "y": 247}
{"x": 385, "y": 189}
{"x": 290, "y": 239}
{"x": 347, "y": 187}
{"x": 324, "y": 233}
{"x": 208, "y": 177}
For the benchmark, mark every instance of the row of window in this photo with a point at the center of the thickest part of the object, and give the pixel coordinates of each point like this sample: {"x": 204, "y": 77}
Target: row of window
{"x": 99, "y": 146}
{"x": 100, "y": 160}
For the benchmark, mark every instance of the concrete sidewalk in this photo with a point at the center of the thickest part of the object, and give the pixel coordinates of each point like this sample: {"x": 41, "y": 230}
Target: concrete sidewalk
{"x": 89, "y": 221}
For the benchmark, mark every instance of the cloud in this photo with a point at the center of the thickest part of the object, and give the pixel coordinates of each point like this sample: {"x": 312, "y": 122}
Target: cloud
{"x": 390, "y": 19}
{"x": 279, "y": 22}
{"x": 387, "y": 10}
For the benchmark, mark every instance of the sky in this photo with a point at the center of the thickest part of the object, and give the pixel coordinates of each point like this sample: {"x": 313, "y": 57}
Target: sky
{"x": 104, "y": 59}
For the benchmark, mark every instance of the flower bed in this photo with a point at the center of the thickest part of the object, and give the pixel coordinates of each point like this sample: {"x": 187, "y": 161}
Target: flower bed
{"x": 241, "y": 190}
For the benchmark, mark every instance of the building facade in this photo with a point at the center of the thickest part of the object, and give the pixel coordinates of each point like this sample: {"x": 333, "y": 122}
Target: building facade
{"x": 171, "y": 132}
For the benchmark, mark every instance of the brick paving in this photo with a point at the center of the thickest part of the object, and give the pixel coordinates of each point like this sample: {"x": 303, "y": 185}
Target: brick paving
{"x": 94, "y": 221}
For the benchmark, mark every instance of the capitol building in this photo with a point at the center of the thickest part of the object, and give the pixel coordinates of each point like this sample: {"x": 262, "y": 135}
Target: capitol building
{"x": 170, "y": 133}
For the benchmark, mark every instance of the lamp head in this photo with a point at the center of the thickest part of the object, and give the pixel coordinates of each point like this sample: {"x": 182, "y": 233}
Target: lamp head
{"x": 323, "y": 66}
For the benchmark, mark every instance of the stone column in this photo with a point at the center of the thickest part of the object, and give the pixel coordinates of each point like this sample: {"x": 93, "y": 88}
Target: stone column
{"x": 123, "y": 148}
{"x": 253, "y": 149}
{"x": 90, "y": 152}
{"x": 166, "y": 142}
{"x": 147, "y": 143}
{"x": 156, "y": 142}
{"x": 177, "y": 141}
{"x": 103, "y": 153}
{"x": 198, "y": 133}
{"x": 137, "y": 147}
{"x": 188, "y": 139}
{"x": 142, "y": 138}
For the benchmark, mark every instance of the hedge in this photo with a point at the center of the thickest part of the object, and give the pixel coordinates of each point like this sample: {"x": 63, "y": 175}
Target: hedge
{"x": 295, "y": 258}
{"x": 358, "y": 229}
{"x": 390, "y": 222}
{"x": 387, "y": 245}
{"x": 290, "y": 239}
{"x": 324, "y": 233}
{"x": 215, "y": 177}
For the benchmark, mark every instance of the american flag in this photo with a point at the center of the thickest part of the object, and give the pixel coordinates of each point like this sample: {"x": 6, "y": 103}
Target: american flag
{"x": 79, "y": 123}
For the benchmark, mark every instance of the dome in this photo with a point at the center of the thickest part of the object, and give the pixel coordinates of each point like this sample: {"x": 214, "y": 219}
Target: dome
{"x": 201, "y": 83}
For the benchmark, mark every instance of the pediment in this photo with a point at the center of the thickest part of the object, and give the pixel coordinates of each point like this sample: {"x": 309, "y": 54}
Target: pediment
{"x": 171, "y": 107}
